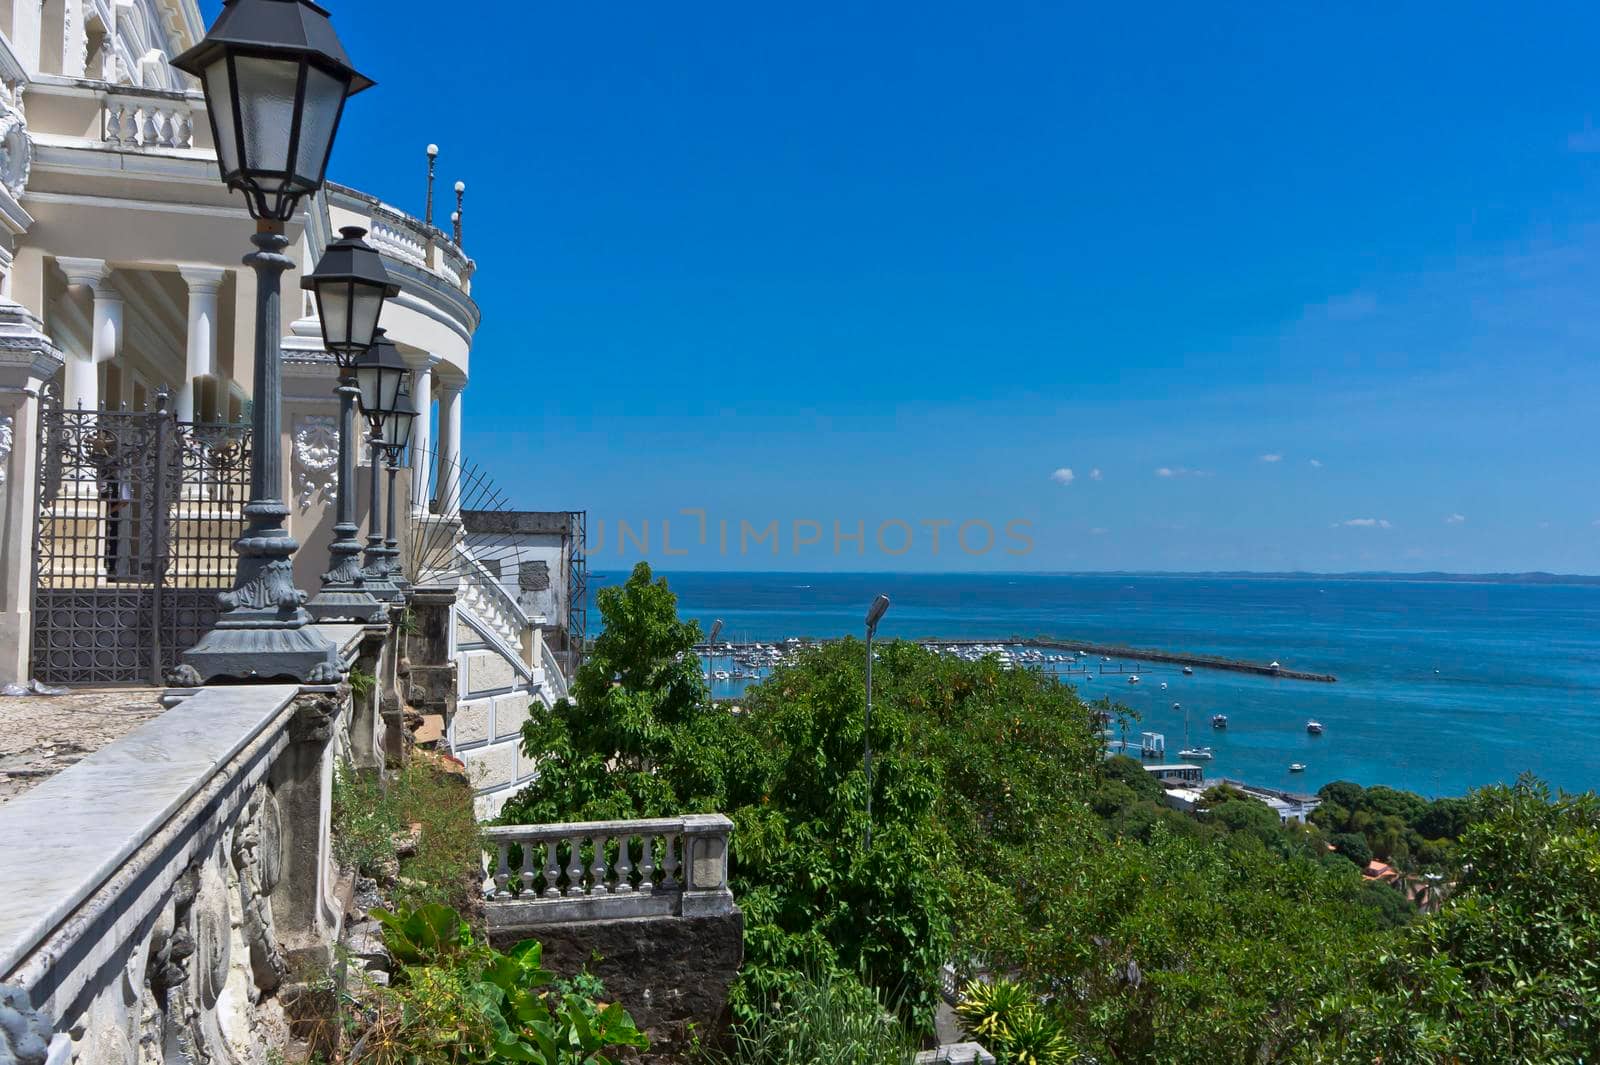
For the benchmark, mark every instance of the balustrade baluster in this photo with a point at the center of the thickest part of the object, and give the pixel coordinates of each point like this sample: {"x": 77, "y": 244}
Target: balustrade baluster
{"x": 529, "y": 872}
{"x": 669, "y": 864}
{"x": 147, "y": 127}
{"x": 647, "y": 865}
{"x": 183, "y": 130}
{"x": 552, "y": 870}
{"x": 624, "y": 865}
{"x": 575, "y": 867}
{"x": 598, "y": 868}
{"x": 163, "y": 124}
{"x": 113, "y": 122}
{"x": 503, "y": 872}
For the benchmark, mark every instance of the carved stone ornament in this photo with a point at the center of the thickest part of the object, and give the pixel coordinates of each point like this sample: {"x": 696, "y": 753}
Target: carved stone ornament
{"x": 7, "y": 430}
{"x": 315, "y": 715}
{"x": 16, "y": 149}
{"x": 258, "y": 860}
{"x": 316, "y": 460}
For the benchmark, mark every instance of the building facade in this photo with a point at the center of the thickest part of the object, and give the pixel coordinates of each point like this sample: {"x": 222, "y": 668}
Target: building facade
{"x": 127, "y": 356}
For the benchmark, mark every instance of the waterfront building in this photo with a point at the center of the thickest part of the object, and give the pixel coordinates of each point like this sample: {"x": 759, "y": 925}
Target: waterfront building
{"x": 126, "y": 361}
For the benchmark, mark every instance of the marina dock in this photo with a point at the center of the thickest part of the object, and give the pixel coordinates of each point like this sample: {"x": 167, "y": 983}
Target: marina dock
{"x": 757, "y": 652}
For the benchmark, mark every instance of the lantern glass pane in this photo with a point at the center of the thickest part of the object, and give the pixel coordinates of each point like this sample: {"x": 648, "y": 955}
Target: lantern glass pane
{"x": 219, "y": 101}
{"x": 267, "y": 90}
{"x": 397, "y": 427}
{"x": 366, "y": 304}
{"x": 392, "y": 379}
{"x": 333, "y": 307}
{"x": 367, "y": 380}
{"x": 324, "y": 99}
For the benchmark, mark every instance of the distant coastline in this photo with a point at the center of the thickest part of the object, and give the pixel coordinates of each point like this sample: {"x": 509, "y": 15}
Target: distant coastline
{"x": 1531, "y": 578}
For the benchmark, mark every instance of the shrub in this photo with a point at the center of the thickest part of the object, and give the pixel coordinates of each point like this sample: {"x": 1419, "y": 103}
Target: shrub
{"x": 826, "y": 1017}
{"x": 457, "y": 1000}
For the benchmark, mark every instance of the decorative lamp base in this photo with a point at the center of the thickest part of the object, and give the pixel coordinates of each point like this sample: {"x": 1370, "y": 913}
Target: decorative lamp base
{"x": 347, "y": 604}
{"x": 301, "y": 653}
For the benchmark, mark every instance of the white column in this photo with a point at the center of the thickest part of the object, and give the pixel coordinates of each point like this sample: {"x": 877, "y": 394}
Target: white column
{"x": 422, "y": 433}
{"x": 203, "y": 282}
{"x": 448, "y": 493}
{"x": 82, "y": 374}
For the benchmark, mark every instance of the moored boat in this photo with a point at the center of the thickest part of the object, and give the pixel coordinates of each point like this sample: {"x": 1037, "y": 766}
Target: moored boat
{"x": 1219, "y": 720}
{"x": 1314, "y": 727}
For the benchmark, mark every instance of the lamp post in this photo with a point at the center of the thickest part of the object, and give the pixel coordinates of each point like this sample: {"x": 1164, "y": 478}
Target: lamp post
{"x": 880, "y": 606}
{"x": 381, "y": 375}
{"x": 460, "y": 212}
{"x": 433, "y": 159}
{"x": 276, "y": 80}
{"x": 711, "y": 654}
{"x": 350, "y": 285}
{"x": 396, "y": 438}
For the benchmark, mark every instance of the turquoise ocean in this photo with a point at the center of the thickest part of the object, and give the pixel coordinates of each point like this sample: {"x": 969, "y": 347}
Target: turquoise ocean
{"x": 1442, "y": 686}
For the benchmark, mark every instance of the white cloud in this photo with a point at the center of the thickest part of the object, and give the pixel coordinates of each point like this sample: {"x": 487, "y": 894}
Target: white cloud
{"x": 1364, "y": 523}
{"x": 1166, "y": 471}
{"x": 1063, "y": 476}
{"x": 1097, "y": 532}
{"x": 1169, "y": 472}
{"x": 1585, "y": 141}
{"x": 1316, "y": 464}
{"x": 1348, "y": 307}
{"x": 1271, "y": 458}
{"x": 1094, "y": 474}
{"x": 1456, "y": 519}
{"x": 1544, "y": 525}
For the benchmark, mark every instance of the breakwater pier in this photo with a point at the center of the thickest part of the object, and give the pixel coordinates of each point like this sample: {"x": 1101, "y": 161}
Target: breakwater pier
{"x": 1052, "y": 656}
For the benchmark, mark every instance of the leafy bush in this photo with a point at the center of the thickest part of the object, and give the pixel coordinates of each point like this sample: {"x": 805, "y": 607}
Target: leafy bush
{"x": 456, "y": 1000}
{"x": 369, "y": 812}
{"x": 1010, "y": 1022}
{"x": 828, "y": 1017}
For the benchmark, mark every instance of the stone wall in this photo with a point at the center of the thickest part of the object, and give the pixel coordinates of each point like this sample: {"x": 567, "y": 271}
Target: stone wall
{"x": 164, "y": 892}
{"x": 670, "y": 972}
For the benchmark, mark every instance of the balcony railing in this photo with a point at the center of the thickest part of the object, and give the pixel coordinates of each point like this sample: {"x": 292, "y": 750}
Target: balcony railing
{"x": 407, "y": 239}
{"x": 144, "y": 118}
{"x": 607, "y": 870}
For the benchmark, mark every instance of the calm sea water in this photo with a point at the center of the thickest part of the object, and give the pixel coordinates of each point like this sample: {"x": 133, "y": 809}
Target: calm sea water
{"x": 1442, "y": 687}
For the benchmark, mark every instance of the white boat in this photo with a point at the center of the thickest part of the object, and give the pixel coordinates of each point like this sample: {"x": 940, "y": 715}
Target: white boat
{"x": 721, "y": 674}
{"x": 1134, "y": 679}
{"x": 1219, "y": 720}
{"x": 1163, "y": 685}
{"x": 1188, "y": 671}
{"x": 1314, "y": 727}
{"x": 1194, "y": 753}
{"x": 1297, "y": 768}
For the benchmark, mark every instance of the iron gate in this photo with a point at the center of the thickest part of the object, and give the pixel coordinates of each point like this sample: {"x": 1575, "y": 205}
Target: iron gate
{"x": 137, "y": 515}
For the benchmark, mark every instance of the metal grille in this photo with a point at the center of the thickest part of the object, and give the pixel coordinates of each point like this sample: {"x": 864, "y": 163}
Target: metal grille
{"x": 137, "y": 515}
{"x": 577, "y": 594}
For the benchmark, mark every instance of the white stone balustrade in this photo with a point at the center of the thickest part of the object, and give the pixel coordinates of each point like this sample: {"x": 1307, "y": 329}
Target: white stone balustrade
{"x": 608, "y": 870}
{"x": 139, "y": 120}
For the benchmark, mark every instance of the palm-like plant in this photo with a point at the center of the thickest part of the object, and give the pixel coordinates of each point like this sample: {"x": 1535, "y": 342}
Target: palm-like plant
{"x": 987, "y": 1008}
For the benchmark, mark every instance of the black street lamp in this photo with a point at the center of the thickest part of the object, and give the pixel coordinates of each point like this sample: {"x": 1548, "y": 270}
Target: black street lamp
{"x": 381, "y": 375}
{"x": 396, "y": 438}
{"x": 276, "y": 79}
{"x": 350, "y": 285}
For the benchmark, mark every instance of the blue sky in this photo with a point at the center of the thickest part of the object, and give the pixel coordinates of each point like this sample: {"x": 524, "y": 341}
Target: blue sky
{"x": 1336, "y": 272}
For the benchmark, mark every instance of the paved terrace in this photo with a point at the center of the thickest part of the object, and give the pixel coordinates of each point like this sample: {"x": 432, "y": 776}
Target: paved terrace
{"x": 40, "y": 735}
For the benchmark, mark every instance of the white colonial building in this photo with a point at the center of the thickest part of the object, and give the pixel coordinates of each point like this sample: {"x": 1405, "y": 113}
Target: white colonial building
{"x": 126, "y": 356}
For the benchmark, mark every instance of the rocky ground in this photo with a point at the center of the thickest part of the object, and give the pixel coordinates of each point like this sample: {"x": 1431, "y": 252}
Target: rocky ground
{"x": 40, "y": 735}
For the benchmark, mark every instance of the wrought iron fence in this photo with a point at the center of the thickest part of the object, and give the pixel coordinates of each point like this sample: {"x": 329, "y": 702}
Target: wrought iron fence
{"x": 137, "y": 514}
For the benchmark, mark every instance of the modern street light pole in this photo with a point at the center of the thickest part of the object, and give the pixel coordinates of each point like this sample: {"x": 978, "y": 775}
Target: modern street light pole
{"x": 711, "y": 651}
{"x": 880, "y": 606}
{"x": 350, "y": 284}
{"x": 276, "y": 80}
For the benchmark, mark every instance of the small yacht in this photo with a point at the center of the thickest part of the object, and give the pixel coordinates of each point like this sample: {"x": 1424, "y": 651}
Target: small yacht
{"x": 1219, "y": 720}
{"x": 1163, "y": 685}
{"x": 721, "y": 674}
{"x": 1134, "y": 679}
{"x": 1188, "y": 671}
{"x": 1297, "y": 768}
{"x": 1196, "y": 754}
{"x": 1314, "y": 727}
